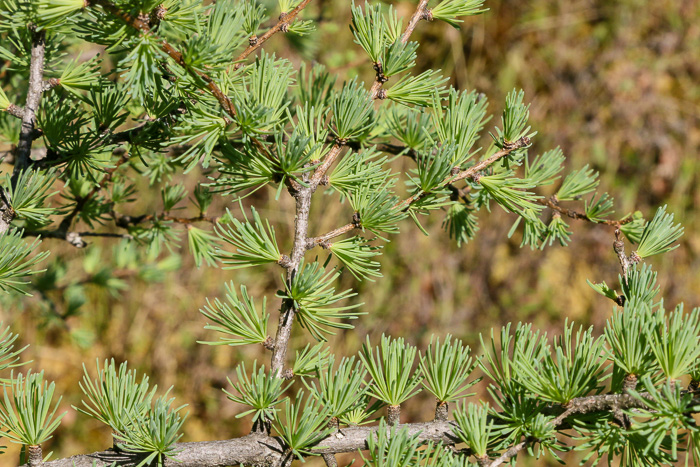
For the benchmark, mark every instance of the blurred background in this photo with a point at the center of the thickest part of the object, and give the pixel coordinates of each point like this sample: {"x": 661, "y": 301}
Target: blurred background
{"x": 615, "y": 84}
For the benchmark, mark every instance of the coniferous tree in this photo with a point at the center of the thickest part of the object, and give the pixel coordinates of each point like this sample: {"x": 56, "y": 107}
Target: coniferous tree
{"x": 190, "y": 88}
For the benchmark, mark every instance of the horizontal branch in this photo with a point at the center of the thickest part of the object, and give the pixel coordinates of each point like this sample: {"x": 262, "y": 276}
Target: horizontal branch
{"x": 552, "y": 203}
{"x": 259, "y": 449}
{"x": 128, "y": 221}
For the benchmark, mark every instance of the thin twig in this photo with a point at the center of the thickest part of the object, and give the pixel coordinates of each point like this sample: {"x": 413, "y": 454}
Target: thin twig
{"x": 511, "y": 452}
{"x": 141, "y": 26}
{"x": 321, "y": 170}
{"x": 36, "y": 73}
{"x": 283, "y": 23}
{"x": 552, "y": 203}
{"x": 80, "y": 202}
{"x": 15, "y": 111}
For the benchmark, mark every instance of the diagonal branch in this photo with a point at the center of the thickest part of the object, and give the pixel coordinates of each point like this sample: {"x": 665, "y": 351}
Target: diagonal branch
{"x": 256, "y": 42}
{"x": 173, "y": 53}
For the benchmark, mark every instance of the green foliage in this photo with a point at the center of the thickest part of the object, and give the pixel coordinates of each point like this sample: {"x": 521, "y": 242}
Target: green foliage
{"x": 446, "y": 368}
{"x": 450, "y": 10}
{"x": 239, "y": 320}
{"x": 368, "y": 28}
{"x": 28, "y": 196}
{"x": 511, "y": 193}
{"x": 627, "y": 336}
{"x": 391, "y": 369}
{"x": 673, "y": 340}
{"x": 514, "y": 120}
{"x": 255, "y": 243}
{"x": 302, "y": 426}
{"x": 16, "y": 261}
{"x": 578, "y": 183}
{"x": 391, "y": 446}
{"x": 8, "y": 356}
{"x": 460, "y": 223}
{"x": 115, "y": 398}
{"x": 416, "y": 89}
{"x": 261, "y": 392}
{"x": 155, "y": 434}
{"x": 659, "y": 235}
{"x": 342, "y": 390}
{"x": 545, "y": 167}
{"x": 377, "y": 208}
{"x": 474, "y": 427}
{"x": 356, "y": 254}
{"x": 667, "y": 412}
{"x": 573, "y": 368}
{"x": 459, "y": 123}
{"x": 27, "y": 415}
{"x": 311, "y": 360}
{"x": 313, "y": 295}
{"x": 598, "y": 210}
{"x": 352, "y": 111}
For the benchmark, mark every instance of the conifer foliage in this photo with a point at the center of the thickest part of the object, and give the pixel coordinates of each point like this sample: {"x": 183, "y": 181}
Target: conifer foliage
{"x": 186, "y": 86}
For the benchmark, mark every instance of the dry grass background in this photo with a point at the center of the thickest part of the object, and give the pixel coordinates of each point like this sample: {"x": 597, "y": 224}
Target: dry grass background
{"x": 615, "y": 84}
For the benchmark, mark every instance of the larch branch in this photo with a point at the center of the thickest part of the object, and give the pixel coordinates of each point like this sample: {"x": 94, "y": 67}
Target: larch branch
{"x": 282, "y": 24}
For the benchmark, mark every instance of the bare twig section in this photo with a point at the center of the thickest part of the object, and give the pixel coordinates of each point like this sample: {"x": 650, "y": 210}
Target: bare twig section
{"x": 393, "y": 414}
{"x": 619, "y": 247}
{"x": 36, "y": 73}
{"x": 16, "y": 111}
{"x": 282, "y": 25}
{"x": 34, "y": 455}
{"x": 74, "y": 238}
{"x": 510, "y": 453}
{"x": 421, "y": 12}
{"x": 321, "y": 170}
{"x": 442, "y": 409}
{"x": 127, "y": 221}
{"x": 287, "y": 312}
{"x": 144, "y": 28}
{"x": 553, "y": 203}
{"x": 323, "y": 239}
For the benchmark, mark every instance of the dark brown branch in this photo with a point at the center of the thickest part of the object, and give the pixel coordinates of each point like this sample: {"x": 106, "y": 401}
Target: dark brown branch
{"x": 144, "y": 28}
{"x": 283, "y": 23}
{"x": 128, "y": 221}
{"x": 553, "y": 204}
{"x": 36, "y": 73}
